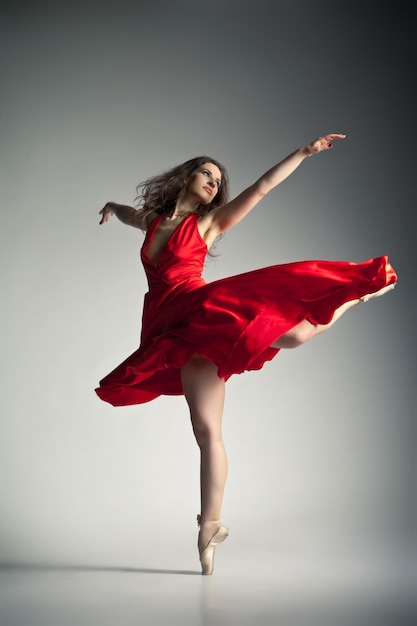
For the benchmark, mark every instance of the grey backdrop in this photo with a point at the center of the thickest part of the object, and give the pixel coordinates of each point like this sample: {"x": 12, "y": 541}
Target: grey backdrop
{"x": 95, "y": 99}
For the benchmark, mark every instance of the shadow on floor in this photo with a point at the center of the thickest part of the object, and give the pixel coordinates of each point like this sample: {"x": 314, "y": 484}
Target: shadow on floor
{"x": 45, "y": 567}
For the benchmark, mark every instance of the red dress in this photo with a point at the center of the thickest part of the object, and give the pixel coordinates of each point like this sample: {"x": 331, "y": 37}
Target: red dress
{"x": 231, "y": 322}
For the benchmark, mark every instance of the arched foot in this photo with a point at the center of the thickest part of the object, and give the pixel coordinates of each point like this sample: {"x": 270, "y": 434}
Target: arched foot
{"x": 381, "y": 292}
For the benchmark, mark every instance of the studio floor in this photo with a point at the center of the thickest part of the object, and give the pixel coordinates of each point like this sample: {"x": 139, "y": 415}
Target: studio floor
{"x": 250, "y": 589}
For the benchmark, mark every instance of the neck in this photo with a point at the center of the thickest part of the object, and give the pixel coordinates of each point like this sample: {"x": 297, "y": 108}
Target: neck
{"x": 184, "y": 206}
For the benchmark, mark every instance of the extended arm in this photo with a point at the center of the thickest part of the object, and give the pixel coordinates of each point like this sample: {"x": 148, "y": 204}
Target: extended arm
{"x": 230, "y": 214}
{"x": 126, "y": 214}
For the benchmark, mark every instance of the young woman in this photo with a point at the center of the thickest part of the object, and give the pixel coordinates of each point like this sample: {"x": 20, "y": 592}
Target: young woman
{"x": 195, "y": 335}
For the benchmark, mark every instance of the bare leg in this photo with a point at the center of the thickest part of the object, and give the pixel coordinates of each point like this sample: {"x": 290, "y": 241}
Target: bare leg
{"x": 305, "y": 330}
{"x": 204, "y": 392}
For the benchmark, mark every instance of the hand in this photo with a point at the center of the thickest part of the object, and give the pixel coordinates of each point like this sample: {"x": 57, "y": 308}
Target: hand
{"x": 105, "y": 212}
{"x": 320, "y": 144}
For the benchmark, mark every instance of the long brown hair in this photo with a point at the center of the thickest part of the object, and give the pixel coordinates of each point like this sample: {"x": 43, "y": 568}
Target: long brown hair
{"x": 159, "y": 194}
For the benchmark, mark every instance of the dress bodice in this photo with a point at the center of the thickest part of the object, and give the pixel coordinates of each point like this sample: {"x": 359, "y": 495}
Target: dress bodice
{"x": 181, "y": 259}
{"x": 177, "y": 272}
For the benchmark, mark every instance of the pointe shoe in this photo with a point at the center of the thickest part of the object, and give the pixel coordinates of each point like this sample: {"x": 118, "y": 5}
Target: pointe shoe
{"x": 381, "y": 292}
{"x": 207, "y": 555}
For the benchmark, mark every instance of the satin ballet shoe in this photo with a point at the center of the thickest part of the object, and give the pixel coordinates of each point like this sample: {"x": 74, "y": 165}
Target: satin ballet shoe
{"x": 381, "y": 292}
{"x": 207, "y": 555}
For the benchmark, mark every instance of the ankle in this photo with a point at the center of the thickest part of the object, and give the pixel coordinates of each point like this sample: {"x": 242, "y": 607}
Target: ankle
{"x": 201, "y": 521}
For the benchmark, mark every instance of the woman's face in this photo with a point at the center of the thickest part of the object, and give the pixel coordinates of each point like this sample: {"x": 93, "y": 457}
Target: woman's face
{"x": 205, "y": 182}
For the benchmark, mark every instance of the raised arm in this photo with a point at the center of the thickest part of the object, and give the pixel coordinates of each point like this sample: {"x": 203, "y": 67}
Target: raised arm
{"x": 226, "y": 216}
{"x": 126, "y": 214}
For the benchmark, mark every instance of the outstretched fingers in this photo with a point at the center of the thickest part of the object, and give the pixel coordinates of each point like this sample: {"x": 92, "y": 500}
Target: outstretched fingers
{"x": 105, "y": 213}
{"x": 323, "y": 143}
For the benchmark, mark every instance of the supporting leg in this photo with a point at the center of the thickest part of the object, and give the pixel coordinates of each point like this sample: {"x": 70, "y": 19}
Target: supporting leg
{"x": 204, "y": 392}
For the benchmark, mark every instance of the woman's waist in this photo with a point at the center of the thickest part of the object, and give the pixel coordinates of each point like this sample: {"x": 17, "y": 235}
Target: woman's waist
{"x": 165, "y": 304}
{"x": 173, "y": 288}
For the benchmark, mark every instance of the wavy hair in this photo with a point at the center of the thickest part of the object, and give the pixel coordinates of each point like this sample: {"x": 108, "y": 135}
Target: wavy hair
{"x": 159, "y": 194}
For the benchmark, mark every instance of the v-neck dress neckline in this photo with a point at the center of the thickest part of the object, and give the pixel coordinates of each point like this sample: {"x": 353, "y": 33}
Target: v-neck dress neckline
{"x": 151, "y": 232}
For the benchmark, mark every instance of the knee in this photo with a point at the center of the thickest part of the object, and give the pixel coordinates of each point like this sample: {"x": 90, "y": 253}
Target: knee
{"x": 302, "y": 333}
{"x": 296, "y": 336}
{"x": 205, "y": 434}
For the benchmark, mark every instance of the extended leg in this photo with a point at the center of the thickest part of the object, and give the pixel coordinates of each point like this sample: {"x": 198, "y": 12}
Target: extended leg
{"x": 305, "y": 330}
{"x": 204, "y": 392}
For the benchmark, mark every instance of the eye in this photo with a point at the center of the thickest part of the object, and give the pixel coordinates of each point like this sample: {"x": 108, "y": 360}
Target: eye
{"x": 207, "y": 173}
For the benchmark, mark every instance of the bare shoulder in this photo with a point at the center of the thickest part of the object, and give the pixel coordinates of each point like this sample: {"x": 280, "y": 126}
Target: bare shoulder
{"x": 228, "y": 215}
{"x": 149, "y": 218}
{"x": 208, "y": 228}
